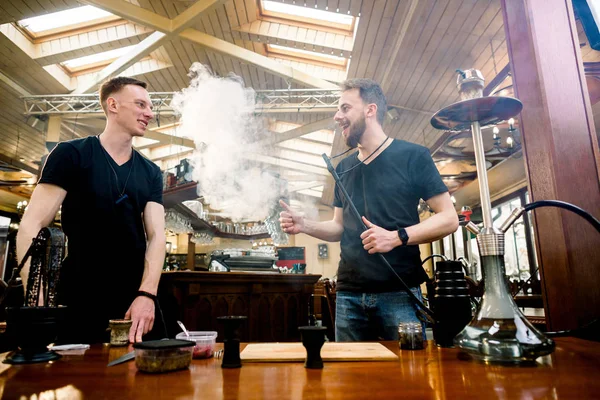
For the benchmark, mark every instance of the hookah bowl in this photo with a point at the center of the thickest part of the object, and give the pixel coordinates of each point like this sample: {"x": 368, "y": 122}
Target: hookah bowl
{"x": 313, "y": 338}
{"x": 33, "y": 329}
{"x": 231, "y": 341}
{"x": 499, "y": 332}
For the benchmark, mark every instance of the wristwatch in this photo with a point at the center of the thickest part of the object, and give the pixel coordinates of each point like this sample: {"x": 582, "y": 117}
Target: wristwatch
{"x": 403, "y": 236}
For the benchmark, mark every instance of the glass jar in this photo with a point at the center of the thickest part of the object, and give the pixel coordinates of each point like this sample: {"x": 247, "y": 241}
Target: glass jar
{"x": 410, "y": 335}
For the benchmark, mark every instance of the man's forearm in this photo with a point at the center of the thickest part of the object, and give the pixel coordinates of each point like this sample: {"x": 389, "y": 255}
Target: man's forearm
{"x": 153, "y": 262}
{"x": 329, "y": 231}
{"x": 27, "y": 232}
{"x": 433, "y": 228}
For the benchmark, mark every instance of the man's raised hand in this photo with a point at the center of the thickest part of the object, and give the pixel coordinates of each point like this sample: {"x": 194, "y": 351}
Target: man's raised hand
{"x": 291, "y": 221}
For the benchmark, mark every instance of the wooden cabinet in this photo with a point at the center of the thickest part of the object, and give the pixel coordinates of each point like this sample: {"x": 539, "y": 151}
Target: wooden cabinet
{"x": 275, "y": 304}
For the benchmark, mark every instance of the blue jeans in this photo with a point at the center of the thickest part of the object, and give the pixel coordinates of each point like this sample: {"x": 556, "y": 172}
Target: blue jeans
{"x": 361, "y": 317}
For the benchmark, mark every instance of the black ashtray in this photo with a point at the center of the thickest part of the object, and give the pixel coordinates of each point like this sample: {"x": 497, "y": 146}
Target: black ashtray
{"x": 32, "y": 329}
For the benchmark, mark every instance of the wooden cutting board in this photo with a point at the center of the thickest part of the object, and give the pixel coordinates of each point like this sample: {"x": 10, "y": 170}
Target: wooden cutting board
{"x": 280, "y": 352}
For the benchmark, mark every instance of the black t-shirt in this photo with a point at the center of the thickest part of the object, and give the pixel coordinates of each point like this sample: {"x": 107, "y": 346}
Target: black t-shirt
{"x": 387, "y": 193}
{"x": 106, "y": 240}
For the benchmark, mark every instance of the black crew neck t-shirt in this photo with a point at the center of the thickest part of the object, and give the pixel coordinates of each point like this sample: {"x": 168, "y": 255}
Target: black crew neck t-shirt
{"x": 387, "y": 192}
{"x": 106, "y": 240}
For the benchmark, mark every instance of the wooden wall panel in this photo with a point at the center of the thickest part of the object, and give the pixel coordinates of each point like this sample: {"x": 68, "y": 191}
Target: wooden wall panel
{"x": 561, "y": 153}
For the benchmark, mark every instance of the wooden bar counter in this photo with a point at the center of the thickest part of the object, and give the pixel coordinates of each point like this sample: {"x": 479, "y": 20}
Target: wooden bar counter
{"x": 275, "y": 304}
{"x": 570, "y": 373}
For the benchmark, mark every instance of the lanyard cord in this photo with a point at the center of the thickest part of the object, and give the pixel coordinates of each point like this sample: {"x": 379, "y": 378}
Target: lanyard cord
{"x": 359, "y": 161}
{"x": 105, "y": 153}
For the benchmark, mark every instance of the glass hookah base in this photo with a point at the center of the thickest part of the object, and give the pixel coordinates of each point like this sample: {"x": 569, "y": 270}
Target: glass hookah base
{"x": 500, "y": 341}
{"x": 22, "y": 358}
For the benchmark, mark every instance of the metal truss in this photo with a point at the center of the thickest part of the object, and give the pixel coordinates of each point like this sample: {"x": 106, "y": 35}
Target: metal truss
{"x": 268, "y": 101}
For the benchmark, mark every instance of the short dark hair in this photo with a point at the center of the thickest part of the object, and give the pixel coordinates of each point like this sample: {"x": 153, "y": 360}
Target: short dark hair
{"x": 114, "y": 85}
{"x": 370, "y": 92}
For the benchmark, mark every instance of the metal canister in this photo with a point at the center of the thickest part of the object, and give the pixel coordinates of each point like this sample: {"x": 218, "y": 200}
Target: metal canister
{"x": 470, "y": 84}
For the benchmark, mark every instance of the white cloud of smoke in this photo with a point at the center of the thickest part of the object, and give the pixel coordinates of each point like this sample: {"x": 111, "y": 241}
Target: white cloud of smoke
{"x": 218, "y": 114}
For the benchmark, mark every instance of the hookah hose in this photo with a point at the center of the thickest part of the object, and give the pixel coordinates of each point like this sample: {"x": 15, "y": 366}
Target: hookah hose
{"x": 567, "y": 206}
{"x": 589, "y": 218}
{"x": 422, "y": 308}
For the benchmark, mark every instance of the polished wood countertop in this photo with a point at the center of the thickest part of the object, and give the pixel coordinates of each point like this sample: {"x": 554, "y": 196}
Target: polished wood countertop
{"x": 434, "y": 373}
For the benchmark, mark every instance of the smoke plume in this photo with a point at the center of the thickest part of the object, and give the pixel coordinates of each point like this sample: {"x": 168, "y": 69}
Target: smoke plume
{"x": 218, "y": 114}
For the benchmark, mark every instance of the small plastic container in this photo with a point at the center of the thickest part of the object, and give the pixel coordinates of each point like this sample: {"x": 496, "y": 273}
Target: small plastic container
{"x": 158, "y": 356}
{"x": 205, "y": 342}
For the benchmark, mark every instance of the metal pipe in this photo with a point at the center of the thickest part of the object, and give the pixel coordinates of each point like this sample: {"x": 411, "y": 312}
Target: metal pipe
{"x": 471, "y": 227}
{"x": 514, "y": 215}
{"x": 484, "y": 188}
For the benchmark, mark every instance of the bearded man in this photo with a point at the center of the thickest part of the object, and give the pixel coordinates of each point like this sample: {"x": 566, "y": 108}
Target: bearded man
{"x": 385, "y": 179}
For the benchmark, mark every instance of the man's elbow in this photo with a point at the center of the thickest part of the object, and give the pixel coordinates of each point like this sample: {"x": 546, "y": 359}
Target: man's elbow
{"x": 451, "y": 222}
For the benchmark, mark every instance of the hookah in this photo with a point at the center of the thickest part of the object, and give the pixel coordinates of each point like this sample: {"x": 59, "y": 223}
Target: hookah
{"x": 499, "y": 332}
{"x": 35, "y": 325}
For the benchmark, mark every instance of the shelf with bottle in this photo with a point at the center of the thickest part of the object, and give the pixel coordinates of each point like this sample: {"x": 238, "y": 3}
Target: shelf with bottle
{"x": 219, "y": 228}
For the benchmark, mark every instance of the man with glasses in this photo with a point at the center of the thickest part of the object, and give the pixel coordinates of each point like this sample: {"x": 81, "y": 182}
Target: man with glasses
{"x": 112, "y": 215}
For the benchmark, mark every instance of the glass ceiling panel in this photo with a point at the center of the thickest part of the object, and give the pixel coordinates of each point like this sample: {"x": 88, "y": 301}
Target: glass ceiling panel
{"x": 275, "y": 48}
{"x": 307, "y": 12}
{"x": 63, "y": 18}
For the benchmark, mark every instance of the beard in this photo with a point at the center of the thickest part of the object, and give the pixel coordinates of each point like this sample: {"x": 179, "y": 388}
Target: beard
{"x": 356, "y": 133}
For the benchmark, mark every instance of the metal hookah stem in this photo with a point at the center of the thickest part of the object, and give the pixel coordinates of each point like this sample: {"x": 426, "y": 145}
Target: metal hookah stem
{"x": 484, "y": 188}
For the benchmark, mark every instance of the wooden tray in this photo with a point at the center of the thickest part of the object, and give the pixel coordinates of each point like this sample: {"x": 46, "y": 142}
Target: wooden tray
{"x": 280, "y": 352}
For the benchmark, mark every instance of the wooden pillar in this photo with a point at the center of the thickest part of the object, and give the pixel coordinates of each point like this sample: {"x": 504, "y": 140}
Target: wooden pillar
{"x": 53, "y": 131}
{"x": 561, "y": 153}
{"x": 191, "y": 253}
{"x": 52, "y": 135}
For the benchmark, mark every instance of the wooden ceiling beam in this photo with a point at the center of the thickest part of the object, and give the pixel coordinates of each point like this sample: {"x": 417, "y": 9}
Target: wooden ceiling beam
{"x": 190, "y": 15}
{"x": 19, "y": 164}
{"x": 278, "y": 137}
{"x": 171, "y": 27}
{"x": 169, "y": 156}
{"x": 150, "y": 146}
{"x": 20, "y": 90}
{"x": 94, "y": 41}
{"x": 258, "y": 60}
{"x": 305, "y": 186}
{"x": 304, "y": 178}
{"x": 258, "y": 32}
{"x": 140, "y": 50}
{"x": 285, "y": 164}
{"x": 133, "y": 13}
{"x": 166, "y": 139}
{"x": 165, "y": 29}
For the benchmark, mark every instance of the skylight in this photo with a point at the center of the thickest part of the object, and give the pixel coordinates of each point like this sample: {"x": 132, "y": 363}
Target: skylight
{"x": 77, "y": 63}
{"x": 63, "y": 18}
{"x": 310, "y": 55}
{"x": 309, "y": 14}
